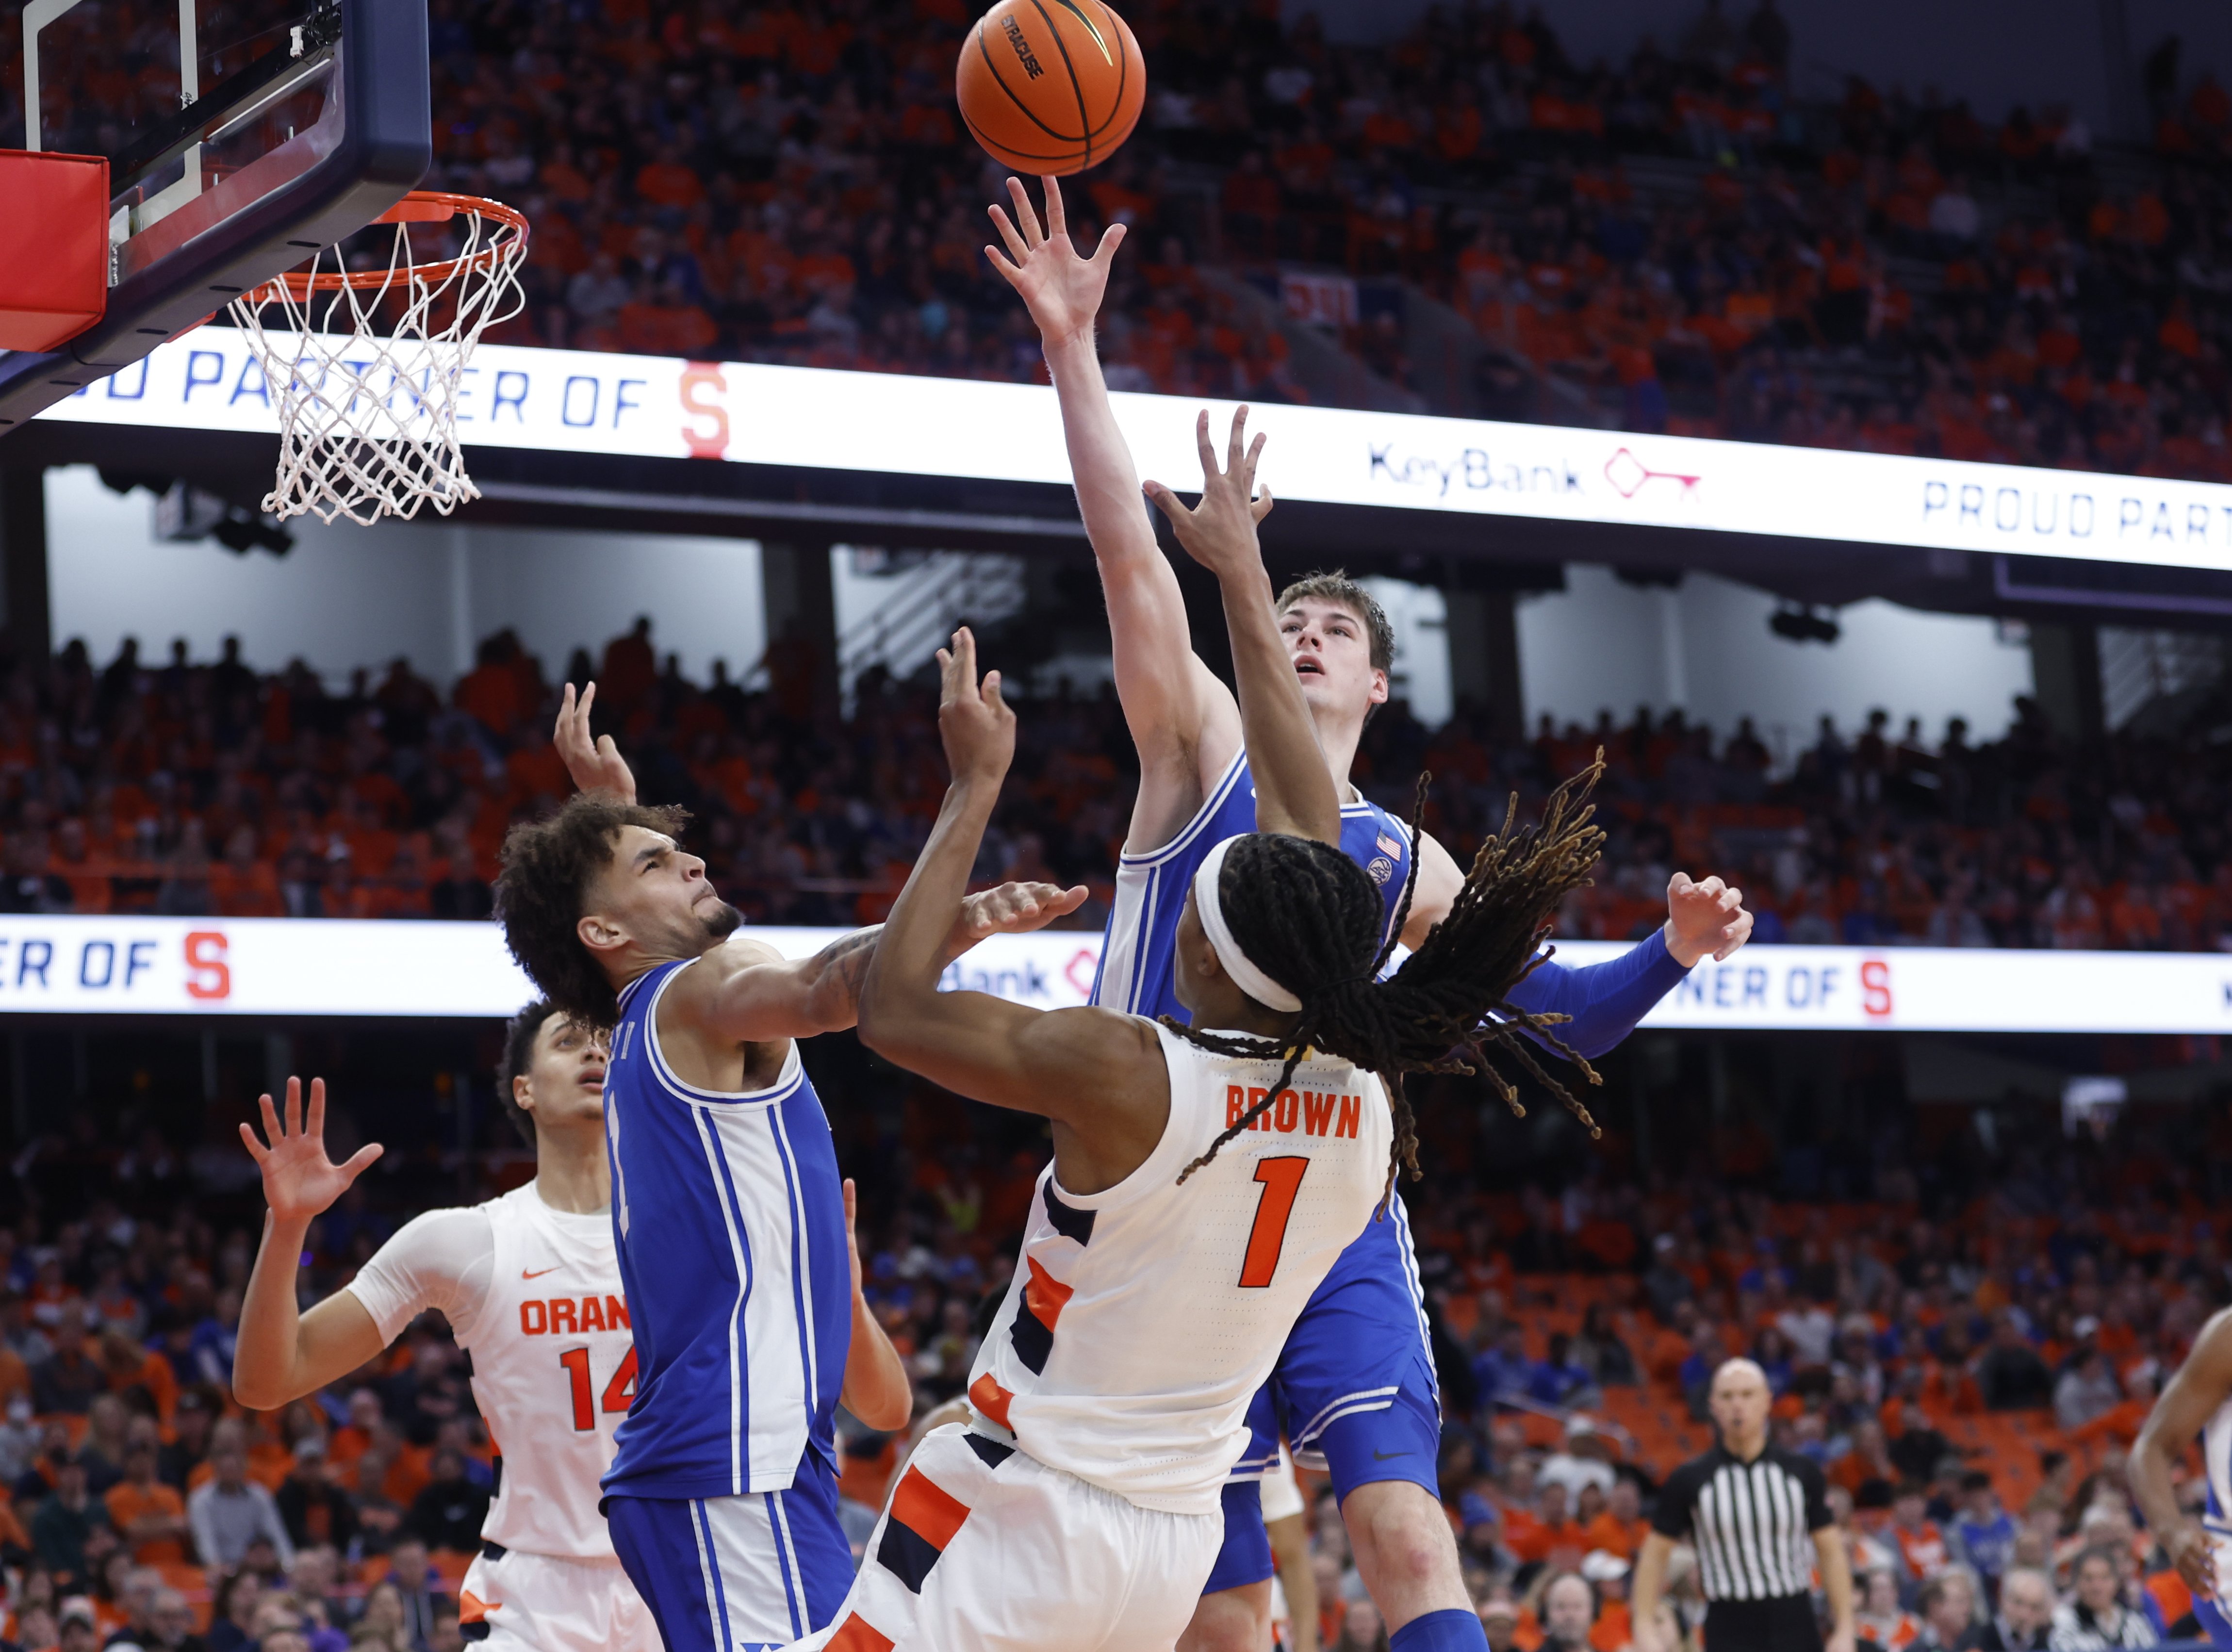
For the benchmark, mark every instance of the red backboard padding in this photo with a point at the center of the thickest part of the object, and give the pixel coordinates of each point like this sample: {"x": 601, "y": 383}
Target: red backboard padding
{"x": 54, "y": 247}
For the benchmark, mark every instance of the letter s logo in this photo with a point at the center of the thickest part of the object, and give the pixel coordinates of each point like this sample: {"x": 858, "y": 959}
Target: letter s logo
{"x": 1875, "y": 987}
{"x": 208, "y": 974}
{"x": 709, "y": 440}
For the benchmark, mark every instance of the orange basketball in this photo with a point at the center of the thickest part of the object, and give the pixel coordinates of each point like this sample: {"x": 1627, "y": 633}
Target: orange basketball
{"x": 1050, "y": 85}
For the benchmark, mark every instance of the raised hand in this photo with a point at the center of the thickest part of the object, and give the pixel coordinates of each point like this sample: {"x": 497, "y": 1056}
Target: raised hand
{"x": 1015, "y": 908}
{"x": 1061, "y": 289}
{"x": 974, "y": 722}
{"x": 1703, "y": 917}
{"x": 1220, "y": 532}
{"x": 595, "y": 764}
{"x": 299, "y": 1180}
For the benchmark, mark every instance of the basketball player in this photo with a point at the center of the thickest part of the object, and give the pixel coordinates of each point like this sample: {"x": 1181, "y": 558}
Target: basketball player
{"x": 528, "y": 1284}
{"x": 2197, "y": 1402}
{"x": 1195, "y": 1199}
{"x": 1357, "y": 1384}
{"x": 728, "y": 1212}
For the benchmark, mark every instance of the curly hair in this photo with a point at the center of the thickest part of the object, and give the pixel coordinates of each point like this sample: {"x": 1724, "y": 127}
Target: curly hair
{"x": 1310, "y": 919}
{"x": 547, "y": 868}
{"x": 519, "y": 1035}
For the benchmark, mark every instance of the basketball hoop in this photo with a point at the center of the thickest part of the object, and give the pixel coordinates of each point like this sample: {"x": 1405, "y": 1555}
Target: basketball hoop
{"x": 366, "y": 365}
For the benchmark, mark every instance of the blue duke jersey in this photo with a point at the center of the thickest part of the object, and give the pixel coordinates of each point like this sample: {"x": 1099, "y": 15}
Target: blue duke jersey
{"x": 2216, "y": 1615}
{"x": 729, "y": 1216}
{"x": 1371, "y": 1308}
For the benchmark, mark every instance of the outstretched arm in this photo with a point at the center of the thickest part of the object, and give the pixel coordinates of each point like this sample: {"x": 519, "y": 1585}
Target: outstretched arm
{"x": 2201, "y": 1385}
{"x": 1100, "y": 1076}
{"x": 1182, "y": 719}
{"x": 745, "y": 992}
{"x": 1294, "y": 788}
{"x": 282, "y": 1354}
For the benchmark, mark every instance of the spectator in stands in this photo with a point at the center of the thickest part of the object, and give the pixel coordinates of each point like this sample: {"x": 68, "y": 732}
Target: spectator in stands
{"x": 314, "y": 1509}
{"x": 1568, "y": 1613}
{"x": 1586, "y": 1461}
{"x": 2096, "y": 1615}
{"x": 229, "y": 1513}
{"x": 2010, "y": 1375}
{"x": 238, "y": 1593}
{"x": 1946, "y": 1604}
{"x": 68, "y": 1525}
{"x": 2024, "y": 1619}
{"x": 149, "y": 1516}
{"x": 1983, "y": 1533}
{"x": 417, "y": 1583}
{"x": 2087, "y": 1389}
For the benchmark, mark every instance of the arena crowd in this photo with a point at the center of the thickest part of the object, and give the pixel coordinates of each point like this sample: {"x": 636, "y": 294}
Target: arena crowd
{"x": 187, "y": 788}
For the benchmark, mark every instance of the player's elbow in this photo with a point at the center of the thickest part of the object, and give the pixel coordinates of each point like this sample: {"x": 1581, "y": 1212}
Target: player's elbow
{"x": 888, "y": 1412}
{"x": 254, "y": 1390}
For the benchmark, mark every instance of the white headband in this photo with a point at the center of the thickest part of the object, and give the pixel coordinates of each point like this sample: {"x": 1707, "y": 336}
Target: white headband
{"x": 1237, "y": 964}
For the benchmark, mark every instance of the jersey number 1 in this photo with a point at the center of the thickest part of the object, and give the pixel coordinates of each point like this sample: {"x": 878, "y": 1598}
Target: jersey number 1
{"x": 620, "y": 1393}
{"x": 1281, "y": 1179}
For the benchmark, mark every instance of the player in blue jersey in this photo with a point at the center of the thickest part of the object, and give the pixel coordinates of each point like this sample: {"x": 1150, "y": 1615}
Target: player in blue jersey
{"x": 728, "y": 1211}
{"x": 1356, "y": 1385}
{"x": 2197, "y": 1402}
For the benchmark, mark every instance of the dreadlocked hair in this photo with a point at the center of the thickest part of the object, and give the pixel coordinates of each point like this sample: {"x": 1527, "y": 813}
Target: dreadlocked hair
{"x": 1310, "y": 919}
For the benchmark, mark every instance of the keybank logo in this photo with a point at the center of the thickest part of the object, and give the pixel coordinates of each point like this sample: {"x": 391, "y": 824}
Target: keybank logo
{"x": 1475, "y": 469}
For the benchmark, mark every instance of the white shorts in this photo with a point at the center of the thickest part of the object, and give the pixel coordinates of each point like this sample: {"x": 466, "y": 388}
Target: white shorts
{"x": 982, "y": 1548}
{"x": 546, "y": 1602}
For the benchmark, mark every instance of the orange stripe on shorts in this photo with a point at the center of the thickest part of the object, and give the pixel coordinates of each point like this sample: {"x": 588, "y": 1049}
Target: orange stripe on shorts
{"x": 471, "y": 1609}
{"x": 856, "y": 1636}
{"x": 991, "y": 1399}
{"x": 927, "y": 1509}
{"x": 1046, "y": 1295}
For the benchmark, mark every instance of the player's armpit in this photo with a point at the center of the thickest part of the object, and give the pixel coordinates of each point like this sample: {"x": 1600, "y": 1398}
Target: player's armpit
{"x": 1440, "y": 877}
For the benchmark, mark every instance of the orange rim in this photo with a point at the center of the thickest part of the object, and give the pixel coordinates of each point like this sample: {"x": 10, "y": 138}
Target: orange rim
{"x": 419, "y": 206}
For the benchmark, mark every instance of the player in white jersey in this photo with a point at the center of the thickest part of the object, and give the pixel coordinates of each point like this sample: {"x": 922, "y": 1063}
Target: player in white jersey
{"x": 1204, "y": 1179}
{"x": 529, "y": 1284}
{"x": 2197, "y": 1401}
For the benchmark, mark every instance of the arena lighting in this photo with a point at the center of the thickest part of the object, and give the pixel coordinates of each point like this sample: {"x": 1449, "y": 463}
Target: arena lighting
{"x": 563, "y": 401}
{"x": 287, "y": 967}
{"x": 1804, "y": 626}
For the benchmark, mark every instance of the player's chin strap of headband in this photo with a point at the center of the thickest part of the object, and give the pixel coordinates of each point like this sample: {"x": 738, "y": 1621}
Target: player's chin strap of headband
{"x": 1237, "y": 964}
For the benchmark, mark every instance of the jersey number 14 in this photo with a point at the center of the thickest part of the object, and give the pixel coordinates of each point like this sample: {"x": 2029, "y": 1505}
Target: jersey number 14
{"x": 620, "y": 1393}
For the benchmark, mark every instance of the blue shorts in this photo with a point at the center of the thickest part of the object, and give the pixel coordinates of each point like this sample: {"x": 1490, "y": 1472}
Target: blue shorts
{"x": 1354, "y": 1389}
{"x": 1246, "y": 1557}
{"x": 2213, "y": 1624}
{"x": 736, "y": 1574}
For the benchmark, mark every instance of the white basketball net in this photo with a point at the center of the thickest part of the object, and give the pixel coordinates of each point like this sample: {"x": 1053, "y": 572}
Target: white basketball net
{"x": 366, "y": 378}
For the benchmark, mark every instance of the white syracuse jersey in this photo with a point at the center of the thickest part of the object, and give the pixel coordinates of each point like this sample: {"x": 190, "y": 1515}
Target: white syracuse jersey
{"x": 534, "y": 1295}
{"x": 1143, "y": 1320}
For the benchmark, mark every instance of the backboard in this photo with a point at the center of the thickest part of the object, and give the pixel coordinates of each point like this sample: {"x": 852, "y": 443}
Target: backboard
{"x": 242, "y": 136}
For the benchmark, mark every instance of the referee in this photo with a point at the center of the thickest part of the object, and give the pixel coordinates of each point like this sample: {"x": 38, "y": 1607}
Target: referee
{"x": 1759, "y": 1517}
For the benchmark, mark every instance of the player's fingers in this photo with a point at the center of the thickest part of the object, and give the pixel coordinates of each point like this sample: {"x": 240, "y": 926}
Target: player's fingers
{"x": 1111, "y": 238}
{"x": 1026, "y": 218}
{"x": 255, "y": 1149}
{"x": 317, "y": 1106}
{"x": 1264, "y": 501}
{"x": 565, "y": 714}
{"x": 1236, "y": 442}
{"x": 1057, "y": 221}
{"x": 1073, "y": 898}
{"x": 1712, "y": 885}
{"x": 849, "y": 1202}
{"x": 270, "y": 1120}
{"x": 1731, "y": 899}
{"x": 992, "y": 692}
{"x": 1018, "y": 244}
{"x": 362, "y": 1160}
{"x": 1679, "y": 881}
{"x": 1164, "y": 499}
{"x": 1203, "y": 445}
{"x": 964, "y": 656}
{"x": 294, "y": 1106}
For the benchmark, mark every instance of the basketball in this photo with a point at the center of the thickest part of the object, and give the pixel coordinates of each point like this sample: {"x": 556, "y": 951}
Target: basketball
{"x": 1050, "y": 85}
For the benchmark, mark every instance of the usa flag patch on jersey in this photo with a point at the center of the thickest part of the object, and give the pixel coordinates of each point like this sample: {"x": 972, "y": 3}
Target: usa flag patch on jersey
{"x": 1390, "y": 847}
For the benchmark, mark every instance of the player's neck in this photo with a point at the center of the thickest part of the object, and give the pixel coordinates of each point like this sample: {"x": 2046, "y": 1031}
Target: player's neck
{"x": 1744, "y": 1448}
{"x": 1338, "y": 736}
{"x": 571, "y": 1173}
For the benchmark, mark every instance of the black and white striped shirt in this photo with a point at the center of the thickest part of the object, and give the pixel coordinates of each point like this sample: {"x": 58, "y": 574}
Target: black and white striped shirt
{"x": 1752, "y": 1523}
